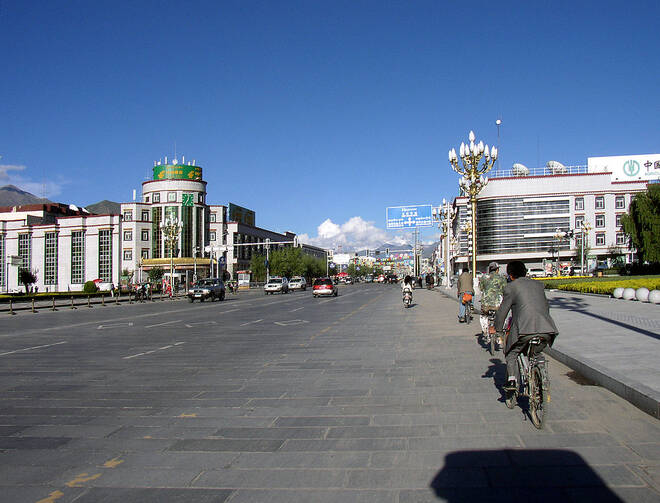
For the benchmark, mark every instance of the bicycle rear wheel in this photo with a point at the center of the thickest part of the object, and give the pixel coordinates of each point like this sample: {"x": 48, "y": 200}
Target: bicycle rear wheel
{"x": 537, "y": 398}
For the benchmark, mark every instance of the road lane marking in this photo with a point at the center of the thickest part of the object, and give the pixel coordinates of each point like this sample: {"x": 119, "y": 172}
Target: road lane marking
{"x": 290, "y": 322}
{"x": 33, "y": 347}
{"x": 52, "y": 497}
{"x": 113, "y": 463}
{"x": 115, "y": 325}
{"x": 80, "y": 479}
{"x": 199, "y": 323}
{"x": 296, "y": 309}
{"x": 251, "y": 322}
{"x": 162, "y": 324}
{"x": 164, "y": 348}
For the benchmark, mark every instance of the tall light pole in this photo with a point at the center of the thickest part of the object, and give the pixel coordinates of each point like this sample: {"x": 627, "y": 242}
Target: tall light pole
{"x": 498, "y": 123}
{"x": 585, "y": 227}
{"x": 446, "y": 214}
{"x": 476, "y": 159}
{"x": 171, "y": 228}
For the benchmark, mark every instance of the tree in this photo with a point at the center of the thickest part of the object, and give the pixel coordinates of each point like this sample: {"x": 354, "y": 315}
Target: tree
{"x": 642, "y": 223}
{"x": 156, "y": 275}
{"x": 615, "y": 253}
{"x": 27, "y": 278}
{"x": 258, "y": 267}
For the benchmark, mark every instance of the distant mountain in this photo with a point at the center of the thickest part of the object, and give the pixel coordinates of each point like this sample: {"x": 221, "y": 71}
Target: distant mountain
{"x": 11, "y": 195}
{"x": 104, "y": 207}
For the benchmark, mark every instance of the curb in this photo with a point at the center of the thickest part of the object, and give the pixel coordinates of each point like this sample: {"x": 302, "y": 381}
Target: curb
{"x": 638, "y": 394}
{"x": 641, "y": 396}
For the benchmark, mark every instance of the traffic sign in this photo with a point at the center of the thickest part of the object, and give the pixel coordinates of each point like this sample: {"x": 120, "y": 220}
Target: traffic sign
{"x": 407, "y": 217}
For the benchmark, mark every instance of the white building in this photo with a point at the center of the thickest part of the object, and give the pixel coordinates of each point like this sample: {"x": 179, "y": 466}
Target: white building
{"x": 530, "y": 215}
{"x": 64, "y": 246}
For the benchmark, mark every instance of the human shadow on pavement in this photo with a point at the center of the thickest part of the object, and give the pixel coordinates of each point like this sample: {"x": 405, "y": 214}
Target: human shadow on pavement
{"x": 578, "y": 305}
{"x": 497, "y": 372}
{"x": 520, "y": 475}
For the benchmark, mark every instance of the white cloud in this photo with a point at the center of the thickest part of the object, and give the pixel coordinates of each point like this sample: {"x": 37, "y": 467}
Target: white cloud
{"x": 355, "y": 234}
{"x": 10, "y": 175}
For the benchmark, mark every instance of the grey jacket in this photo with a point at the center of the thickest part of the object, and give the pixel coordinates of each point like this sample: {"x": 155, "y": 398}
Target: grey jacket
{"x": 525, "y": 298}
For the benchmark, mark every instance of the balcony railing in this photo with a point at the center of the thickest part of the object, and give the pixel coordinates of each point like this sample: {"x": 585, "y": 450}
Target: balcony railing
{"x": 521, "y": 171}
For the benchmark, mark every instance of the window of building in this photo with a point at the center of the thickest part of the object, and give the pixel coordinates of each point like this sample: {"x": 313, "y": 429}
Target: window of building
{"x": 128, "y": 216}
{"x": 211, "y": 236}
{"x": 600, "y": 221}
{"x": 171, "y": 197}
{"x": 146, "y": 199}
{"x": 105, "y": 255}
{"x": 212, "y": 217}
{"x": 618, "y": 220}
{"x": 128, "y": 235}
{"x": 25, "y": 251}
{"x": 128, "y": 254}
{"x": 620, "y": 202}
{"x": 579, "y": 220}
{"x": 50, "y": 258}
{"x": 78, "y": 257}
{"x": 145, "y": 215}
{"x": 157, "y": 241}
{"x": 600, "y": 239}
{"x": 157, "y": 197}
{"x": 201, "y": 198}
{"x": 145, "y": 252}
{"x": 621, "y": 239}
{"x": 579, "y": 203}
{"x": 600, "y": 202}
{"x": 145, "y": 235}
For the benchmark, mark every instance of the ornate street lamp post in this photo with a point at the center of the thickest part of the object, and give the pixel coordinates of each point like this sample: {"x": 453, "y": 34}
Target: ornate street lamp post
{"x": 171, "y": 228}
{"x": 585, "y": 227}
{"x": 476, "y": 159}
{"x": 446, "y": 214}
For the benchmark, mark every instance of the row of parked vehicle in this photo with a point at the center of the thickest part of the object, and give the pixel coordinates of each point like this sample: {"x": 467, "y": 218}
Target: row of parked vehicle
{"x": 320, "y": 287}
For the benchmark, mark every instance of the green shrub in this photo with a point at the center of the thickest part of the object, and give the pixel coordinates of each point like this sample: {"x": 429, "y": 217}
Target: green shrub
{"x": 604, "y": 286}
{"x": 90, "y": 287}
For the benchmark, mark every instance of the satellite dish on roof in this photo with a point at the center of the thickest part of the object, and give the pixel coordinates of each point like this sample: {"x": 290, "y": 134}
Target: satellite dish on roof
{"x": 555, "y": 167}
{"x": 519, "y": 169}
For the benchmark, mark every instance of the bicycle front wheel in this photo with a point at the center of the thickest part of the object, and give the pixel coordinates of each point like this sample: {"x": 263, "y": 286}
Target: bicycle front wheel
{"x": 538, "y": 402}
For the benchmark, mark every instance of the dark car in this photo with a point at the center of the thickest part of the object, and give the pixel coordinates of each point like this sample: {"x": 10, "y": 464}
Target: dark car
{"x": 324, "y": 286}
{"x": 209, "y": 288}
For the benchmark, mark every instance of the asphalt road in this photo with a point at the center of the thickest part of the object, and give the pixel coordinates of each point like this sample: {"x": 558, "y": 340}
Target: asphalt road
{"x": 288, "y": 398}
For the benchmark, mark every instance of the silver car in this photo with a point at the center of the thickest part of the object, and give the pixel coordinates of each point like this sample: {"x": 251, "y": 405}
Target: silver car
{"x": 297, "y": 283}
{"x": 276, "y": 284}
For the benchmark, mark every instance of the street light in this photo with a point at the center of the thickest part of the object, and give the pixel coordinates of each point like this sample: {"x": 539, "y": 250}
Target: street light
{"x": 498, "y": 123}
{"x": 476, "y": 159}
{"x": 171, "y": 228}
{"x": 585, "y": 227}
{"x": 445, "y": 214}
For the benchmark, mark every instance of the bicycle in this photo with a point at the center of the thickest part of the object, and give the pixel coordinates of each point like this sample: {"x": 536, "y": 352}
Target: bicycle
{"x": 466, "y": 299}
{"x": 534, "y": 381}
{"x": 490, "y": 339}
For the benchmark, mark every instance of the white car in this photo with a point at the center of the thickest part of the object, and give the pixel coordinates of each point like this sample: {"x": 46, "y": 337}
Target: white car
{"x": 536, "y": 272}
{"x": 297, "y": 283}
{"x": 276, "y": 284}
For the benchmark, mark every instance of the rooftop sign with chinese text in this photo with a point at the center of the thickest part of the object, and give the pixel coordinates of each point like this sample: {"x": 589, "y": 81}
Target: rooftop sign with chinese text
{"x": 409, "y": 217}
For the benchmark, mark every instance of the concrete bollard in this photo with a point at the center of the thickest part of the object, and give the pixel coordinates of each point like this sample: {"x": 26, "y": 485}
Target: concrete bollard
{"x": 72, "y": 306}
{"x": 11, "y": 306}
{"x": 117, "y": 299}
{"x": 53, "y": 309}
{"x": 103, "y": 299}
{"x": 33, "y": 305}
{"x": 89, "y": 303}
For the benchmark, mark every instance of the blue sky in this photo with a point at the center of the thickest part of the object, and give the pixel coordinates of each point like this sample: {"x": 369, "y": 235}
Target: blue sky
{"x": 317, "y": 113}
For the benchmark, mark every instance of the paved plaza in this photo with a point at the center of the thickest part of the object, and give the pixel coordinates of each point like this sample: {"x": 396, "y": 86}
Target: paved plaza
{"x": 293, "y": 399}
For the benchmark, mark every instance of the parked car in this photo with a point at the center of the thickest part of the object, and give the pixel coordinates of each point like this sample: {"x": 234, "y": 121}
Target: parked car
{"x": 324, "y": 286}
{"x": 536, "y": 272}
{"x": 297, "y": 283}
{"x": 275, "y": 285}
{"x": 209, "y": 288}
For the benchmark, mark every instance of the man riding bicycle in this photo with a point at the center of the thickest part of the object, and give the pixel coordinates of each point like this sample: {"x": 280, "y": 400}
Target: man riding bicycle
{"x": 526, "y": 300}
{"x": 492, "y": 287}
{"x": 465, "y": 286}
